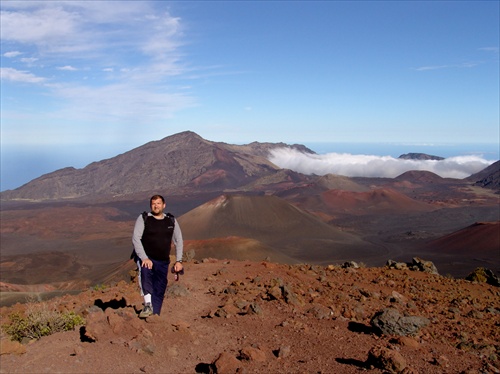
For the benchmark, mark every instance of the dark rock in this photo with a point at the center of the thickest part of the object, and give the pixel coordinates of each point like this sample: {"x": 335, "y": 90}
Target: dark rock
{"x": 421, "y": 265}
{"x": 390, "y": 322}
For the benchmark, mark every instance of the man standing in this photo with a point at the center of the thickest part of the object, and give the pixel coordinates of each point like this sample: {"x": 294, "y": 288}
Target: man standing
{"x": 152, "y": 239}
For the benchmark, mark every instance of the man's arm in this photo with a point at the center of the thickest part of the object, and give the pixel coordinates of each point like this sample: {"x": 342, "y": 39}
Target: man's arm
{"x": 136, "y": 238}
{"x": 179, "y": 246}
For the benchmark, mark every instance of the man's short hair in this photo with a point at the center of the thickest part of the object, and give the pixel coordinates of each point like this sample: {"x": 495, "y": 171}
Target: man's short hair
{"x": 156, "y": 197}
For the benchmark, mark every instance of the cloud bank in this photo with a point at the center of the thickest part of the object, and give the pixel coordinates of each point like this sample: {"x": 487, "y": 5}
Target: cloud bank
{"x": 373, "y": 166}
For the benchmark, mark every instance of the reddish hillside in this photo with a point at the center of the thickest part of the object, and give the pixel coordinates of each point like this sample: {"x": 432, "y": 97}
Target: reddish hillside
{"x": 483, "y": 238}
{"x": 276, "y": 224}
{"x": 378, "y": 201}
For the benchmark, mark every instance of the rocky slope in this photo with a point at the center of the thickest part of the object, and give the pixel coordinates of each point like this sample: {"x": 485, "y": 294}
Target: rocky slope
{"x": 488, "y": 178}
{"x": 249, "y": 317}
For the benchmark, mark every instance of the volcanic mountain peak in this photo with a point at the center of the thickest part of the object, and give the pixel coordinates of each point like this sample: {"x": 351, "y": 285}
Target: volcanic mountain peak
{"x": 273, "y": 222}
{"x": 183, "y": 160}
{"x": 242, "y": 215}
{"x": 339, "y": 182}
{"x": 419, "y": 176}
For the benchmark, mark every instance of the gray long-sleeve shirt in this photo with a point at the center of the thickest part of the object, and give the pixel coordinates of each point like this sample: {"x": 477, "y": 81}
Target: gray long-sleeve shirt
{"x": 137, "y": 236}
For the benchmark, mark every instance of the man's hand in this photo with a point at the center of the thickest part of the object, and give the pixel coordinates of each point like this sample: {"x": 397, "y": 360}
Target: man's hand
{"x": 178, "y": 267}
{"x": 147, "y": 263}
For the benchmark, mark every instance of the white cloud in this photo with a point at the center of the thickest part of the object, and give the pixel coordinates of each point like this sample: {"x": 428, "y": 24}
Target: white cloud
{"x": 42, "y": 26}
{"x": 15, "y": 75}
{"x": 12, "y": 54}
{"x": 67, "y": 68}
{"x": 101, "y": 30}
{"x": 373, "y": 166}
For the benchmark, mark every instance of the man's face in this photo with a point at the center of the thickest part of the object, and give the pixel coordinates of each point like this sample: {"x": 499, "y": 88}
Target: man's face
{"x": 157, "y": 207}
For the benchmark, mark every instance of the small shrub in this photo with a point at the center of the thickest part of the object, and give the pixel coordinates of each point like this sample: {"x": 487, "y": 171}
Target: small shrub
{"x": 99, "y": 287}
{"x": 39, "y": 321}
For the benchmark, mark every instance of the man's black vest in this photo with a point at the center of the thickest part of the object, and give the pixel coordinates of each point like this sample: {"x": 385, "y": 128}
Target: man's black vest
{"x": 157, "y": 237}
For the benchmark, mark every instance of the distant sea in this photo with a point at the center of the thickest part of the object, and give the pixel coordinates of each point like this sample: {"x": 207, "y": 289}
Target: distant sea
{"x": 20, "y": 165}
{"x": 488, "y": 151}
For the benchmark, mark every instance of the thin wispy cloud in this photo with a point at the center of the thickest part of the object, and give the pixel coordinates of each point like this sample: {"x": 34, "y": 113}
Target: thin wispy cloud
{"x": 464, "y": 65}
{"x": 126, "y": 49}
{"x": 374, "y": 166}
{"x": 489, "y": 49}
{"x": 29, "y": 60}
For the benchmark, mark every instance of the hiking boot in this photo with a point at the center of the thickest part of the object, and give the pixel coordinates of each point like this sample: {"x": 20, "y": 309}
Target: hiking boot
{"x": 146, "y": 312}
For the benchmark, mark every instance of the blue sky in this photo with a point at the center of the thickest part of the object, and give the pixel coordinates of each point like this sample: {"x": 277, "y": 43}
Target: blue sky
{"x": 102, "y": 77}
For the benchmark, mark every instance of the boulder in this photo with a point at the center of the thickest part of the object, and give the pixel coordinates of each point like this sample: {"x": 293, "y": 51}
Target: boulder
{"x": 226, "y": 363}
{"x": 386, "y": 359}
{"x": 390, "y": 322}
{"x": 421, "y": 265}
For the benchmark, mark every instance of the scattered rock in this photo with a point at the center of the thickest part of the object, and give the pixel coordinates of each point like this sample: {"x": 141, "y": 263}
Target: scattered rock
{"x": 226, "y": 363}
{"x": 252, "y": 354}
{"x": 421, "y": 265}
{"x": 317, "y": 319}
{"x": 291, "y": 297}
{"x": 320, "y": 312}
{"x": 350, "y": 264}
{"x": 396, "y": 265}
{"x": 386, "y": 359}
{"x": 390, "y": 322}
{"x": 96, "y": 326}
{"x": 417, "y": 265}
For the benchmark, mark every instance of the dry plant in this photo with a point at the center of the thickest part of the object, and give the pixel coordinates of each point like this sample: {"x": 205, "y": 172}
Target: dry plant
{"x": 39, "y": 320}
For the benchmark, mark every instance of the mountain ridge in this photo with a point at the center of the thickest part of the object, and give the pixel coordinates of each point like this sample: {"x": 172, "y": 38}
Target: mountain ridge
{"x": 184, "y": 160}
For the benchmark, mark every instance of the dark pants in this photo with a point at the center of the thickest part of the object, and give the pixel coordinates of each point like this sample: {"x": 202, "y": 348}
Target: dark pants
{"x": 154, "y": 281}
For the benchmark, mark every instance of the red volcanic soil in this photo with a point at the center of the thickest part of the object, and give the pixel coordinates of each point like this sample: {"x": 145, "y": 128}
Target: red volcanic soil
{"x": 260, "y": 317}
{"x": 379, "y": 201}
{"x": 484, "y": 237}
{"x": 77, "y": 223}
{"x": 234, "y": 247}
